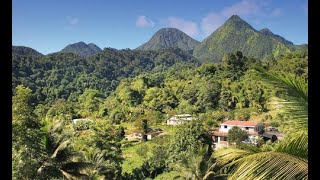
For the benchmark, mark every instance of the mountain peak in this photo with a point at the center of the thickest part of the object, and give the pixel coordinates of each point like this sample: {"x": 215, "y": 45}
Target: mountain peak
{"x": 79, "y": 43}
{"x": 237, "y": 22}
{"x": 168, "y": 29}
{"x": 170, "y": 38}
{"x": 82, "y": 49}
{"x": 235, "y": 17}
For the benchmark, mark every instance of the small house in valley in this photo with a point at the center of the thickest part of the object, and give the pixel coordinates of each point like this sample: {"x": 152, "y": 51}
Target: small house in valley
{"x": 180, "y": 119}
{"x": 82, "y": 124}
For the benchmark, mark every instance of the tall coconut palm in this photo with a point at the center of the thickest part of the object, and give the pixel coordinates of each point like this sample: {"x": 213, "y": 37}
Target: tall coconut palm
{"x": 287, "y": 159}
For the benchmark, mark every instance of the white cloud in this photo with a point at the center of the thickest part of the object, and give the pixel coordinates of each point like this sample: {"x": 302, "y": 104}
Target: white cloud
{"x": 188, "y": 27}
{"x": 211, "y": 22}
{"x": 73, "y": 20}
{"x": 144, "y": 22}
{"x": 276, "y": 12}
{"x": 243, "y": 8}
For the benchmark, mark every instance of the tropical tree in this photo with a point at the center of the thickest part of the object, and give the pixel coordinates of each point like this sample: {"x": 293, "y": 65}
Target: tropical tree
{"x": 236, "y": 135}
{"x": 101, "y": 148}
{"x": 60, "y": 156}
{"x": 196, "y": 165}
{"x": 287, "y": 159}
{"x": 188, "y": 138}
{"x": 60, "y": 164}
{"x": 27, "y": 150}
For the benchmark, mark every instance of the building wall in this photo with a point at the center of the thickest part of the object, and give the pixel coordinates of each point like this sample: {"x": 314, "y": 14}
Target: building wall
{"x": 223, "y": 129}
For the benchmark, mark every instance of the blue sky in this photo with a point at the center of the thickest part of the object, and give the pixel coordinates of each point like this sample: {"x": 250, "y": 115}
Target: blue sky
{"x": 48, "y": 26}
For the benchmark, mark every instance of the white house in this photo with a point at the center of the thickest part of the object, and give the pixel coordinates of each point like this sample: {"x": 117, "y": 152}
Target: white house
{"x": 179, "y": 119}
{"x": 75, "y": 121}
{"x": 220, "y": 137}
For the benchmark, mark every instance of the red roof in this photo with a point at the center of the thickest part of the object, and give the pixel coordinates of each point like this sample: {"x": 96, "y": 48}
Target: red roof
{"x": 239, "y": 123}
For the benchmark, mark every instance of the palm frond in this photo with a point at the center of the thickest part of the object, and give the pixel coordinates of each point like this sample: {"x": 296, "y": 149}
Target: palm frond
{"x": 61, "y": 147}
{"x": 295, "y": 104}
{"x": 74, "y": 176}
{"x": 269, "y": 165}
{"x": 76, "y": 166}
{"x": 295, "y": 144}
{"x": 288, "y": 160}
{"x": 230, "y": 154}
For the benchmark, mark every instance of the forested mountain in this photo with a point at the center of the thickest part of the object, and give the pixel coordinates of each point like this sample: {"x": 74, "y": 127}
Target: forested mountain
{"x": 25, "y": 51}
{"x": 82, "y": 49}
{"x": 170, "y": 37}
{"x": 237, "y": 35}
{"x": 58, "y": 75}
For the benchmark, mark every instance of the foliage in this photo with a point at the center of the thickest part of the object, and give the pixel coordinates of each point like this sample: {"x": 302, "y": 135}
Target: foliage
{"x": 236, "y": 135}
{"x": 189, "y": 137}
{"x": 142, "y": 151}
{"x": 295, "y": 102}
{"x": 27, "y": 150}
{"x": 67, "y": 75}
{"x": 198, "y": 165}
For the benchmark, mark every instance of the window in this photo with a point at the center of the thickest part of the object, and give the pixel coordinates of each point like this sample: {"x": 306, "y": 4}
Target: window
{"x": 225, "y": 127}
{"x": 247, "y": 128}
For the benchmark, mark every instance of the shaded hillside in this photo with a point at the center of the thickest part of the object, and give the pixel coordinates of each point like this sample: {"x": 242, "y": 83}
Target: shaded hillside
{"x": 82, "y": 49}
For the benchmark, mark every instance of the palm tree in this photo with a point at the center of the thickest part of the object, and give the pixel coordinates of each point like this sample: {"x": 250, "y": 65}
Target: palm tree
{"x": 199, "y": 166}
{"x": 287, "y": 159}
{"x": 59, "y": 161}
{"x": 60, "y": 164}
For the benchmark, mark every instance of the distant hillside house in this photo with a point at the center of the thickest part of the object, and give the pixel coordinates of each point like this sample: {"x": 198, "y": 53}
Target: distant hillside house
{"x": 179, "y": 119}
{"x": 253, "y": 128}
{"x": 81, "y": 124}
{"x": 75, "y": 121}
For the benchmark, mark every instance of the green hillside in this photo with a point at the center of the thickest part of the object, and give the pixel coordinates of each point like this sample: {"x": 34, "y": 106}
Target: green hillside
{"x": 237, "y": 35}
